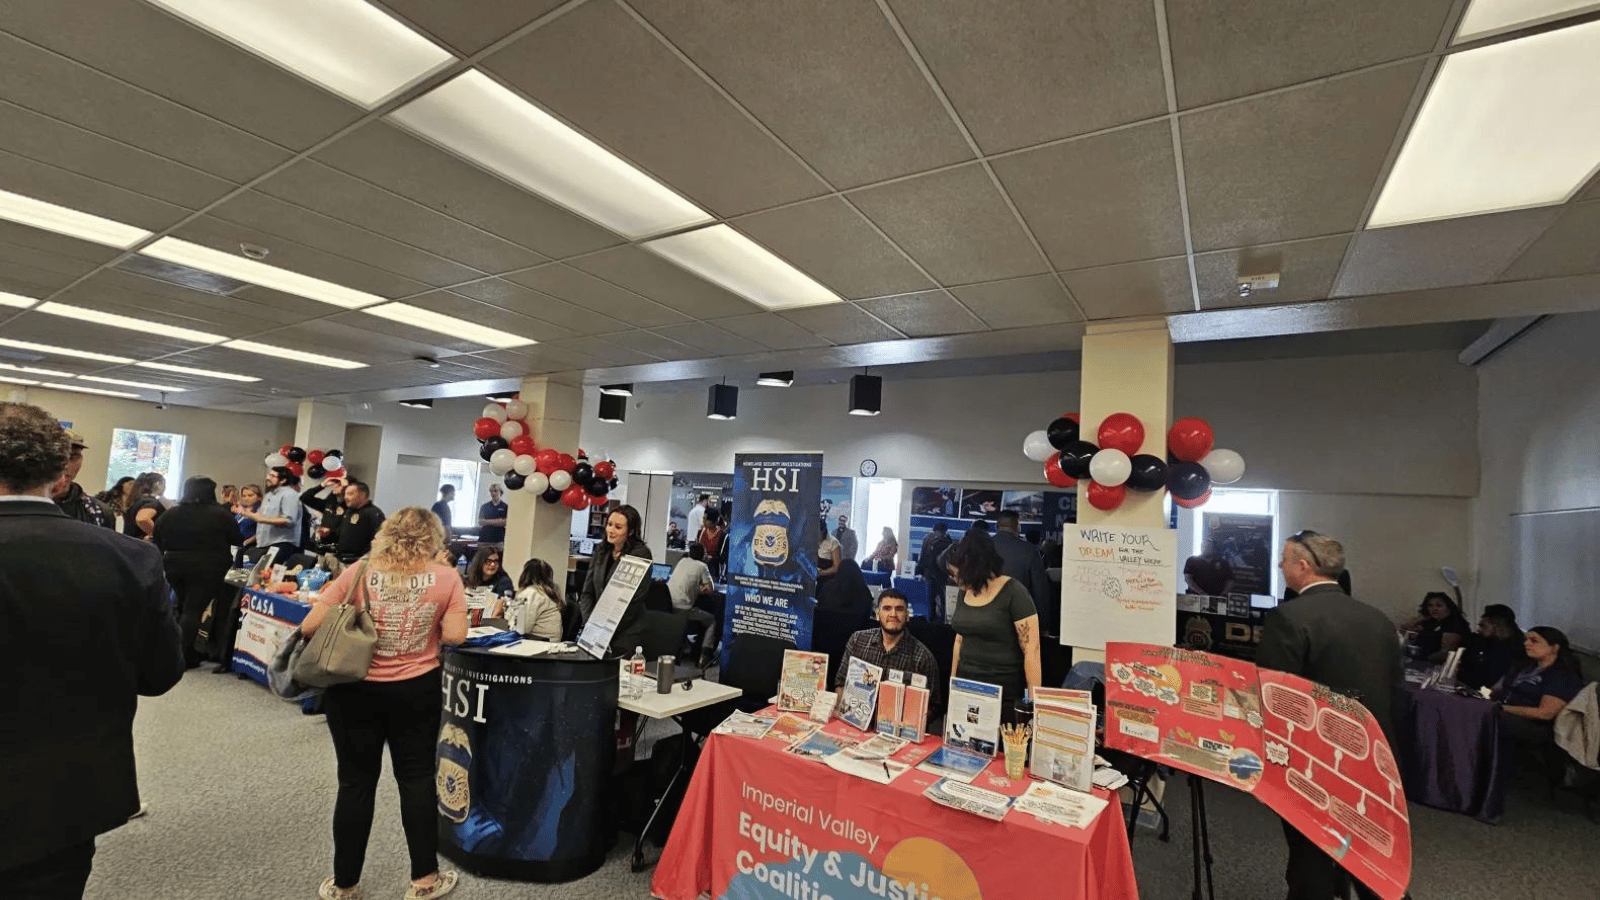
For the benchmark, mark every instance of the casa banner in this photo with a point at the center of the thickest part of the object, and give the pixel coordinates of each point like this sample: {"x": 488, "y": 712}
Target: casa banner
{"x": 772, "y": 564}
{"x": 1314, "y": 756}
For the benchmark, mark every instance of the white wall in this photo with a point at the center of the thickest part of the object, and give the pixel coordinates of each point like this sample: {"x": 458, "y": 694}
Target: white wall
{"x": 1539, "y": 436}
{"x": 225, "y": 446}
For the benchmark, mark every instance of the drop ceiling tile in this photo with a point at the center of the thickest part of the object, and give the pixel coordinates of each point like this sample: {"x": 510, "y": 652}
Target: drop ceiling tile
{"x": 1268, "y": 46}
{"x": 1439, "y": 254}
{"x": 645, "y": 273}
{"x": 317, "y": 187}
{"x": 296, "y": 257}
{"x": 285, "y": 220}
{"x": 925, "y": 314}
{"x": 166, "y": 282}
{"x": 955, "y": 223}
{"x": 591, "y": 293}
{"x": 769, "y": 331}
{"x": 440, "y": 343}
{"x": 471, "y": 28}
{"x": 144, "y": 298}
{"x": 46, "y": 83}
{"x": 359, "y": 337}
{"x": 842, "y": 323}
{"x": 600, "y": 70}
{"x": 491, "y": 367}
{"x": 34, "y": 273}
{"x": 1568, "y": 248}
{"x": 1593, "y": 193}
{"x": 454, "y": 304}
{"x": 652, "y": 344}
{"x": 1003, "y": 64}
{"x": 829, "y": 77}
{"x": 1100, "y": 200}
{"x": 1019, "y": 303}
{"x": 597, "y": 352}
{"x": 1150, "y": 288}
{"x": 42, "y": 329}
{"x": 45, "y": 182}
{"x": 1297, "y": 164}
{"x": 536, "y": 359}
{"x": 708, "y": 339}
{"x": 27, "y": 238}
{"x": 37, "y": 137}
{"x": 544, "y": 307}
{"x": 142, "y": 45}
{"x": 832, "y": 243}
{"x": 1307, "y": 269}
{"x": 414, "y": 169}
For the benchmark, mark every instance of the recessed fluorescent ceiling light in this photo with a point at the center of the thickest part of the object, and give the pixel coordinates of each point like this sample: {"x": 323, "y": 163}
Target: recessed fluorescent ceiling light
{"x": 617, "y": 390}
{"x": 101, "y": 379}
{"x": 1507, "y": 126}
{"x": 237, "y": 267}
{"x": 89, "y": 390}
{"x": 16, "y": 300}
{"x": 1489, "y": 17}
{"x": 61, "y": 220}
{"x": 478, "y": 119}
{"x": 417, "y": 404}
{"x": 725, "y": 257}
{"x": 201, "y": 373}
{"x": 427, "y": 319}
{"x": 315, "y": 359}
{"x": 99, "y": 317}
{"x": 62, "y": 351}
{"x": 348, "y": 46}
{"x": 776, "y": 379}
{"x": 53, "y": 373}
{"x": 8, "y": 380}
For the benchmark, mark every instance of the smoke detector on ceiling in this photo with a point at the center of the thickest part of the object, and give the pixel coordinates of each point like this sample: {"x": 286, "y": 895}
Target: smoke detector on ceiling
{"x": 254, "y": 251}
{"x": 1249, "y": 284}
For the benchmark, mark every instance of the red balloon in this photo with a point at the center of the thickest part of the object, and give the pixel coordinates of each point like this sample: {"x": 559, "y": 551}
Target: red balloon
{"x": 1053, "y": 473}
{"x": 606, "y": 469}
{"x": 582, "y": 454}
{"x": 1106, "y": 498}
{"x": 486, "y": 428}
{"x": 284, "y": 450}
{"x": 547, "y": 460}
{"x": 1073, "y": 416}
{"x": 1191, "y": 504}
{"x": 567, "y": 463}
{"x": 1190, "y": 439}
{"x": 1122, "y": 431}
{"x": 576, "y": 497}
{"x": 335, "y": 473}
{"x": 315, "y": 457}
{"x": 297, "y": 468}
{"x": 523, "y": 445}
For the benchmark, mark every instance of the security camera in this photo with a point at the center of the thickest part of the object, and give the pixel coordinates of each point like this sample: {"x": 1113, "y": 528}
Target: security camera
{"x": 162, "y": 403}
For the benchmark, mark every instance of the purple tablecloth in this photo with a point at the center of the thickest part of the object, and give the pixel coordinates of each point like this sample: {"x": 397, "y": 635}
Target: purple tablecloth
{"x": 1450, "y": 753}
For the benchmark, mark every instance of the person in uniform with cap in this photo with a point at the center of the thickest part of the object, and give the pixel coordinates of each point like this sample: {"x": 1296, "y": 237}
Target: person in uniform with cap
{"x": 72, "y": 498}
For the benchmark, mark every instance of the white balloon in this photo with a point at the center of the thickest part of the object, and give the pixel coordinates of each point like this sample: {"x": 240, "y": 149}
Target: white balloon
{"x": 1110, "y": 467}
{"x": 1224, "y": 466}
{"x": 275, "y": 460}
{"x": 510, "y": 430}
{"x": 524, "y": 465}
{"x": 560, "y": 480}
{"x": 501, "y": 460}
{"x": 537, "y": 483}
{"x": 1036, "y": 446}
{"x": 516, "y": 409}
{"x": 495, "y": 411}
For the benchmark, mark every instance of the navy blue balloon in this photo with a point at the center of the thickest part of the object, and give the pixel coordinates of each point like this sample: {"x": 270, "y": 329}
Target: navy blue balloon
{"x": 550, "y": 495}
{"x": 514, "y": 482}
{"x": 1188, "y": 480}
{"x": 1075, "y": 458}
{"x": 1149, "y": 473}
{"x": 1061, "y": 433}
{"x": 491, "y": 445}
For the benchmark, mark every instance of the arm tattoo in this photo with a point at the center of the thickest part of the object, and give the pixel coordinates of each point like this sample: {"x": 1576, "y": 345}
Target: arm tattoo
{"x": 1024, "y": 633}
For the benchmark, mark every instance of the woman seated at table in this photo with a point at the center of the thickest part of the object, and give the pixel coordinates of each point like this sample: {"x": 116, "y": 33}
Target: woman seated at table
{"x": 996, "y": 623}
{"x": 1438, "y": 629}
{"x": 623, "y": 525}
{"x": 485, "y": 571}
{"x": 536, "y": 611}
{"x": 1537, "y": 691}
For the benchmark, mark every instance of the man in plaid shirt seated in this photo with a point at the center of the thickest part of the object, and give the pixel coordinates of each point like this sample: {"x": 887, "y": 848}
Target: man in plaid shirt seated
{"x": 891, "y": 646}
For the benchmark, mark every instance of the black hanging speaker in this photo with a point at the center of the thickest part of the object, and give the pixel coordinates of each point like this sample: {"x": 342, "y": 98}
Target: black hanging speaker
{"x": 866, "y": 395}
{"x": 723, "y": 402}
{"x": 613, "y": 408}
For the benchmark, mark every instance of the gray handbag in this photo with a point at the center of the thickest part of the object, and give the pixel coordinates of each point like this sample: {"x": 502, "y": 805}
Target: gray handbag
{"x": 341, "y": 650}
{"x": 280, "y": 669}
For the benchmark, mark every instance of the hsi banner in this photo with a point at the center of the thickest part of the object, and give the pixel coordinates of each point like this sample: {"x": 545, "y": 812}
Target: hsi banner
{"x": 772, "y": 564}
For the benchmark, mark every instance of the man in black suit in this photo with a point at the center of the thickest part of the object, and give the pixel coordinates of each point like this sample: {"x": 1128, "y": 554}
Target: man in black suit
{"x": 88, "y": 629}
{"x": 1021, "y": 561}
{"x": 1328, "y": 637}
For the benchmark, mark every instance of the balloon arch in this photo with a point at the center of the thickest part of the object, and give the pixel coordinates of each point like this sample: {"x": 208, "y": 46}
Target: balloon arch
{"x": 1114, "y": 465}
{"x": 507, "y": 442}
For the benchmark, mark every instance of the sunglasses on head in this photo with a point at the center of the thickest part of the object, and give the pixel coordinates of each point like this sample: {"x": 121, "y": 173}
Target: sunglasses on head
{"x": 1300, "y": 537}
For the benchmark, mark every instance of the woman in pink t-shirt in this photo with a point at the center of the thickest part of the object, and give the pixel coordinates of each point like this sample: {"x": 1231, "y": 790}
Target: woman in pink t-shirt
{"x": 416, "y": 605}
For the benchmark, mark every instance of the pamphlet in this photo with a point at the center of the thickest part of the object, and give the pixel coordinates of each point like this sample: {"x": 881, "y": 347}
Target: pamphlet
{"x": 804, "y": 674}
{"x": 597, "y": 633}
{"x": 745, "y": 725}
{"x": 891, "y": 699}
{"x": 952, "y": 762}
{"x": 967, "y": 798}
{"x": 790, "y": 729}
{"x": 1063, "y": 737}
{"x": 1051, "y": 803}
{"x": 973, "y": 721}
{"x": 902, "y": 710}
{"x": 859, "y": 698}
{"x": 822, "y": 707}
{"x": 818, "y": 745}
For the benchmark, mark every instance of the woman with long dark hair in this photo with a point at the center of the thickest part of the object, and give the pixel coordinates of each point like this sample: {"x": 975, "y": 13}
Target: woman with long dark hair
{"x": 196, "y": 539}
{"x": 485, "y": 571}
{"x": 115, "y": 498}
{"x": 417, "y": 604}
{"x": 1540, "y": 688}
{"x": 536, "y": 609}
{"x": 623, "y": 527}
{"x": 145, "y": 505}
{"x": 996, "y": 623}
{"x": 1439, "y": 627}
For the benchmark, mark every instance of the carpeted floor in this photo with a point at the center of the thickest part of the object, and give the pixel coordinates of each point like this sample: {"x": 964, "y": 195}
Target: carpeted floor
{"x": 241, "y": 789}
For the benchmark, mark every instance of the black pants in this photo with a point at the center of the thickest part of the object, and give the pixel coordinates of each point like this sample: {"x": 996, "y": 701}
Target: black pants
{"x": 59, "y": 876}
{"x": 197, "y": 583}
{"x": 1313, "y": 874}
{"x": 362, "y": 717}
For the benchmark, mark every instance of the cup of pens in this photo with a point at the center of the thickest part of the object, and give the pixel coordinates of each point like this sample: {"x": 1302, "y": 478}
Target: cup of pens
{"x": 1015, "y": 738}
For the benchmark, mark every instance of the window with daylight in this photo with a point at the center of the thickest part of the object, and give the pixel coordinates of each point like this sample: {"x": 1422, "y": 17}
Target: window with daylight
{"x": 463, "y": 473}
{"x": 134, "y": 453}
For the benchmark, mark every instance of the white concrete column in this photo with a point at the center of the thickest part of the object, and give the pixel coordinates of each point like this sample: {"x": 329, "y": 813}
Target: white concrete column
{"x": 320, "y": 425}
{"x": 535, "y": 528}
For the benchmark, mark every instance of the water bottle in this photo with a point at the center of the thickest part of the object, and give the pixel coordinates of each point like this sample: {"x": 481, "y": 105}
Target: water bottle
{"x": 636, "y": 674}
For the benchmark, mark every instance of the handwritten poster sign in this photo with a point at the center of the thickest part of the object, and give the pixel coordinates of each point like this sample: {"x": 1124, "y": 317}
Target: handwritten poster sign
{"x": 1118, "y": 584}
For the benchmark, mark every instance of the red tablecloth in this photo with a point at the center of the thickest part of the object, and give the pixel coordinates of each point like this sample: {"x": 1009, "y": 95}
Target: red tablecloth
{"x": 752, "y": 808}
